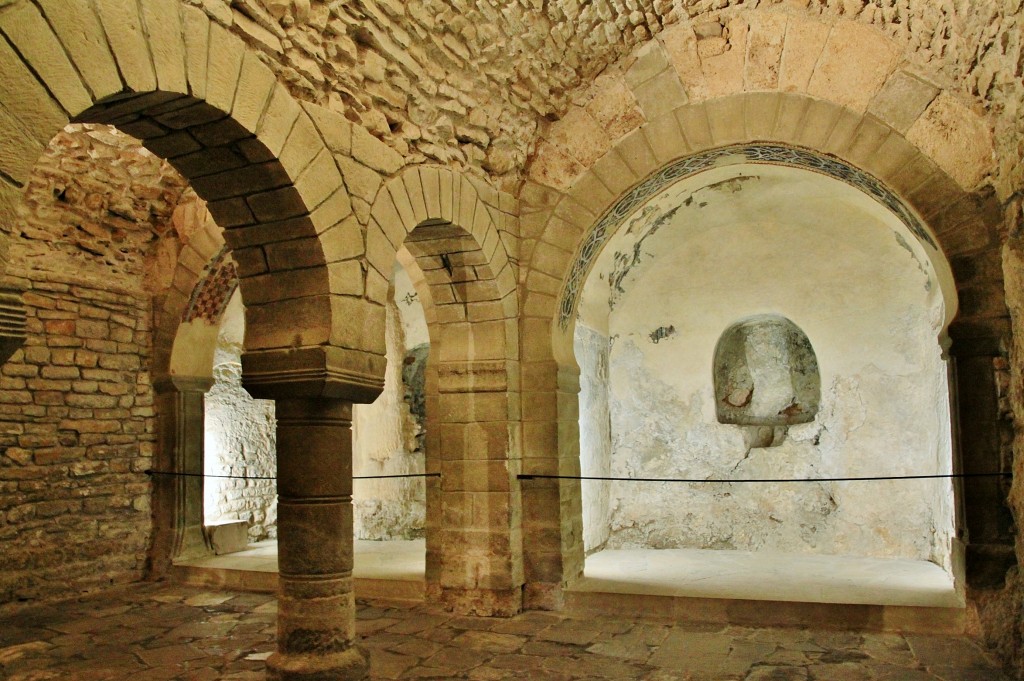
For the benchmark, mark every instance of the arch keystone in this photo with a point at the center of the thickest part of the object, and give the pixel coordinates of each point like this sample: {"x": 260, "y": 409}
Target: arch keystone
{"x": 164, "y": 30}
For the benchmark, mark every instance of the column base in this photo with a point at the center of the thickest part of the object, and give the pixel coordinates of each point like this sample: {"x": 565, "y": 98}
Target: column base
{"x": 350, "y": 665}
{"x": 543, "y": 596}
{"x": 483, "y": 602}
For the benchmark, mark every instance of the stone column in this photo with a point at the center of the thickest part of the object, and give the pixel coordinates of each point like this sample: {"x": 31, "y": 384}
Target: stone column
{"x": 316, "y": 605}
{"x": 178, "y": 499}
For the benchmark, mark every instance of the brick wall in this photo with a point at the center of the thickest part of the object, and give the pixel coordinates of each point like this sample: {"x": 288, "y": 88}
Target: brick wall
{"x": 76, "y": 402}
{"x": 76, "y": 434}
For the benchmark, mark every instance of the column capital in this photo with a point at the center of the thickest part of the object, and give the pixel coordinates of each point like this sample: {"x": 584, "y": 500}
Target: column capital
{"x": 182, "y": 384}
{"x": 311, "y": 373}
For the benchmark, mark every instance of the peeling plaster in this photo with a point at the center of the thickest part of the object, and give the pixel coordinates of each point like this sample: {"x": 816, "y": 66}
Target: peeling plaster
{"x": 782, "y": 244}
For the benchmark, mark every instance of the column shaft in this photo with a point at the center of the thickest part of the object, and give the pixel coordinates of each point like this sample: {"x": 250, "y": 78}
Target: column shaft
{"x": 316, "y": 605}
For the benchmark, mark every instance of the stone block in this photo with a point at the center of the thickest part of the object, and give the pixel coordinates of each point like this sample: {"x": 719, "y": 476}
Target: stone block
{"x": 414, "y": 191}
{"x": 346, "y": 278}
{"x": 554, "y": 167}
{"x": 226, "y": 52}
{"x": 302, "y": 146}
{"x": 25, "y": 99}
{"x": 637, "y": 154}
{"x": 81, "y": 34}
{"x": 360, "y": 180}
{"x": 760, "y": 110}
{"x": 403, "y": 208}
{"x": 277, "y": 204}
{"x": 229, "y": 536}
{"x": 723, "y": 59}
{"x": 580, "y": 136}
{"x": 197, "y": 49}
{"x": 255, "y": 86}
{"x": 336, "y": 208}
{"x": 320, "y": 180}
{"x": 278, "y": 120}
{"x": 956, "y": 138}
{"x": 30, "y": 33}
{"x": 765, "y": 43}
{"x": 665, "y": 138}
{"x": 660, "y": 95}
{"x": 693, "y": 121}
{"x": 430, "y": 180}
{"x": 902, "y": 100}
{"x": 650, "y": 59}
{"x": 681, "y": 49}
{"x": 818, "y": 123}
{"x": 163, "y": 21}
{"x": 792, "y": 109}
{"x": 335, "y": 129}
{"x": 726, "y": 117}
{"x": 854, "y": 64}
{"x": 127, "y": 37}
{"x": 18, "y": 149}
{"x": 373, "y": 153}
{"x": 614, "y": 106}
{"x": 272, "y": 325}
{"x": 805, "y": 39}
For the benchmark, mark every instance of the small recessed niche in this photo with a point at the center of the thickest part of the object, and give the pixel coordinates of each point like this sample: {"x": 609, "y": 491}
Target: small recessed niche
{"x": 766, "y": 378}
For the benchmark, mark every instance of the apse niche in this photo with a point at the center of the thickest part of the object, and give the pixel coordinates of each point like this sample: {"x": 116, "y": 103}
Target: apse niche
{"x": 758, "y": 321}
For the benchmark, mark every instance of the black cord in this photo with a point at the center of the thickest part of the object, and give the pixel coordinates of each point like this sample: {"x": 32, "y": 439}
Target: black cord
{"x": 527, "y": 476}
{"x": 150, "y": 471}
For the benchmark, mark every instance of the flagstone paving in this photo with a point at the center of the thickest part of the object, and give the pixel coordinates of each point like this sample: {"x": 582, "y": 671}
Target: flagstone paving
{"x": 150, "y": 632}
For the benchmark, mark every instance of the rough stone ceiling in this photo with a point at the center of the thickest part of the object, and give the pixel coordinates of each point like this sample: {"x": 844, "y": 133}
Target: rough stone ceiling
{"x": 98, "y": 199}
{"x": 483, "y": 73}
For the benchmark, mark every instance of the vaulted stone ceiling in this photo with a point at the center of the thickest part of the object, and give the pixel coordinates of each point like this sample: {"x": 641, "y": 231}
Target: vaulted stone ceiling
{"x": 468, "y": 82}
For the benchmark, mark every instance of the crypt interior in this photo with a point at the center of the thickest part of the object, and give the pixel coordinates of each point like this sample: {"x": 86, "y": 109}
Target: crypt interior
{"x": 702, "y": 311}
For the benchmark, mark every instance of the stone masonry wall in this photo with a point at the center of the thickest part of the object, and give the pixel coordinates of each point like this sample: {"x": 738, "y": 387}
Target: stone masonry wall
{"x": 76, "y": 434}
{"x": 76, "y": 402}
{"x": 240, "y": 439}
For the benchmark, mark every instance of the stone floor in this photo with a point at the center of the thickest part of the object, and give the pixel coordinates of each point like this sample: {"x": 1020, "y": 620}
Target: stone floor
{"x": 157, "y": 631}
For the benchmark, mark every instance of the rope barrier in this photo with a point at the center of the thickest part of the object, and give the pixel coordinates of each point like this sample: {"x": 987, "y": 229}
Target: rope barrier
{"x": 150, "y": 471}
{"x": 530, "y": 476}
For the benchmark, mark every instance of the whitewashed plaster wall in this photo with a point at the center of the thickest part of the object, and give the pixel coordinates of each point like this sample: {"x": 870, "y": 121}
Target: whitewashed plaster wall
{"x": 750, "y": 240}
{"x": 388, "y": 436}
{"x": 240, "y": 438}
{"x": 595, "y": 436}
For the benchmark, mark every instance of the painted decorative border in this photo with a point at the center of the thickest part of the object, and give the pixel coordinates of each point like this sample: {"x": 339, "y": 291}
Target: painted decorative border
{"x": 212, "y": 293}
{"x": 770, "y": 154}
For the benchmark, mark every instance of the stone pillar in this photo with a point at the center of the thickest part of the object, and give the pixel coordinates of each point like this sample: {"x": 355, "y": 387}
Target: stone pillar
{"x": 552, "y": 509}
{"x": 316, "y": 605}
{"x": 178, "y": 499}
{"x": 481, "y": 512}
{"x": 984, "y": 440}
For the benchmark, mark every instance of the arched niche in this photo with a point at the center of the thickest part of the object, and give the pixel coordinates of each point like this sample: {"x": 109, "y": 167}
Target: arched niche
{"x": 740, "y": 240}
{"x": 766, "y": 378}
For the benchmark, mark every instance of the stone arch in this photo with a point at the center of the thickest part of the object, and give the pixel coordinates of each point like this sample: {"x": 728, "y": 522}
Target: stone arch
{"x": 247, "y": 147}
{"x": 835, "y": 88}
{"x": 452, "y": 229}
